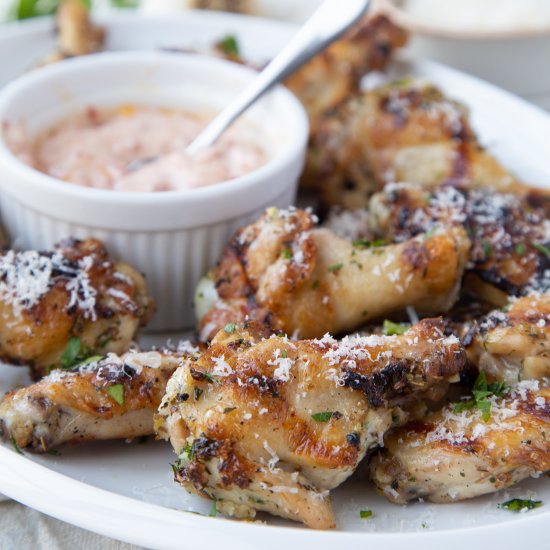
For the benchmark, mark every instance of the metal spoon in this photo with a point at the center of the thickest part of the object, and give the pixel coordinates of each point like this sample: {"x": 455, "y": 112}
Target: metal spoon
{"x": 328, "y": 23}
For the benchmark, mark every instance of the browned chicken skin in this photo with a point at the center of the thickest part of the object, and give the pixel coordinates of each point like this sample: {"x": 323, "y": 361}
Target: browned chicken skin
{"x": 274, "y": 424}
{"x": 74, "y": 291}
{"x": 510, "y": 237}
{"x": 405, "y": 131}
{"x": 76, "y": 33}
{"x": 114, "y": 397}
{"x": 336, "y": 73}
{"x": 306, "y": 281}
{"x": 514, "y": 344}
{"x": 452, "y": 455}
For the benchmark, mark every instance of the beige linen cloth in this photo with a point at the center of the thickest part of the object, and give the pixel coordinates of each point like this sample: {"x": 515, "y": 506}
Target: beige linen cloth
{"x": 22, "y": 528}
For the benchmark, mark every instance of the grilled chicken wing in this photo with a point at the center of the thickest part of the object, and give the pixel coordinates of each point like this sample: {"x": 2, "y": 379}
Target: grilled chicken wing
{"x": 306, "y": 281}
{"x": 273, "y": 424}
{"x": 103, "y": 398}
{"x": 76, "y": 34}
{"x": 336, "y": 73}
{"x": 510, "y": 237}
{"x": 405, "y": 131}
{"x": 514, "y": 344}
{"x": 452, "y": 456}
{"x": 73, "y": 292}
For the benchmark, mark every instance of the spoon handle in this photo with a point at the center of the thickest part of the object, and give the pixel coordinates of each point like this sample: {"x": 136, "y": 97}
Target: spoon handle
{"x": 328, "y": 23}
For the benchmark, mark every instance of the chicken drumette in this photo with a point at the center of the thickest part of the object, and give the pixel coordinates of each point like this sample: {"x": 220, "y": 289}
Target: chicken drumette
{"x": 306, "y": 281}
{"x": 114, "y": 397}
{"x": 456, "y": 454}
{"x": 510, "y": 254}
{"x": 405, "y": 131}
{"x": 271, "y": 424}
{"x": 57, "y": 307}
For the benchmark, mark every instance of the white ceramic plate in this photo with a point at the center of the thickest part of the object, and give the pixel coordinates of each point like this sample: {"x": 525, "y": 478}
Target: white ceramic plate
{"x": 126, "y": 490}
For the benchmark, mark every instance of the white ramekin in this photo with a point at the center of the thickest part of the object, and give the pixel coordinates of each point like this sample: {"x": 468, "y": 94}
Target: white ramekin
{"x": 172, "y": 237}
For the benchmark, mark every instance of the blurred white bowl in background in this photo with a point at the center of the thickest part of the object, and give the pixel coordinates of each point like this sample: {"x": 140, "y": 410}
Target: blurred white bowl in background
{"x": 515, "y": 56}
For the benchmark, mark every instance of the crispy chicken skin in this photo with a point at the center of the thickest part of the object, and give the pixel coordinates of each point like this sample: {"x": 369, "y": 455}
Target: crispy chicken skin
{"x": 336, "y": 73}
{"x": 452, "y": 456}
{"x": 404, "y": 131}
{"x": 514, "y": 344}
{"x": 81, "y": 404}
{"x": 76, "y": 290}
{"x": 76, "y": 34}
{"x": 271, "y": 424}
{"x": 306, "y": 281}
{"x": 510, "y": 237}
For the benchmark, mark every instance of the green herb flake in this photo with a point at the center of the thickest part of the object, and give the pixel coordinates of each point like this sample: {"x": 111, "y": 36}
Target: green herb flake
{"x": 361, "y": 243}
{"x": 480, "y": 394}
{"x": 520, "y": 249}
{"x": 315, "y": 285}
{"x": 322, "y": 416}
{"x": 15, "y": 446}
{"x": 53, "y": 452}
{"x": 229, "y": 45}
{"x": 429, "y": 234}
{"x": 287, "y": 254}
{"x": 227, "y": 410}
{"x": 214, "y": 510}
{"x": 71, "y": 353}
{"x": 335, "y": 268}
{"x": 487, "y": 248}
{"x": 365, "y": 514}
{"x": 116, "y": 392}
{"x": 391, "y": 329}
{"x": 187, "y": 452}
{"x": 230, "y": 328}
{"x": 520, "y": 505}
{"x": 198, "y": 392}
{"x": 90, "y": 360}
{"x": 541, "y": 248}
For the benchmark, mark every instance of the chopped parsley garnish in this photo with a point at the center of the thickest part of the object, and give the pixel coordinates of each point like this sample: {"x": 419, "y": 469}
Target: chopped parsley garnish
{"x": 90, "y": 360}
{"x": 230, "y": 328}
{"x": 520, "y": 249}
{"x": 401, "y": 83}
{"x": 187, "y": 451}
{"x": 287, "y": 254}
{"x": 334, "y": 268}
{"x": 365, "y": 514}
{"x": 390, "y": 328}
{"x": 228, "y": 410}
{"x": 315, "y": 285}
{"x": 482, "y": 390}
{"x": 70, "y": 356}
{"x": 15, "y": 446}
{"x": 487, "y": 248}
{"x": 214, "y": 510}
{"x": 520, "y": 504}
{"x": 229, "y": 45}
{"x": 198, "y": 393}
{"x": 323, "y": 416}
{"x": 362, "y": 243}
{"x": 542, "y": 248}
{"x": 116, "y": 392}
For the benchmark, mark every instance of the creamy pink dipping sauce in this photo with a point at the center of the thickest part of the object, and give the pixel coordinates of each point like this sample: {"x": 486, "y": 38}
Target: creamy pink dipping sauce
{"x": 110, "y": 149}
